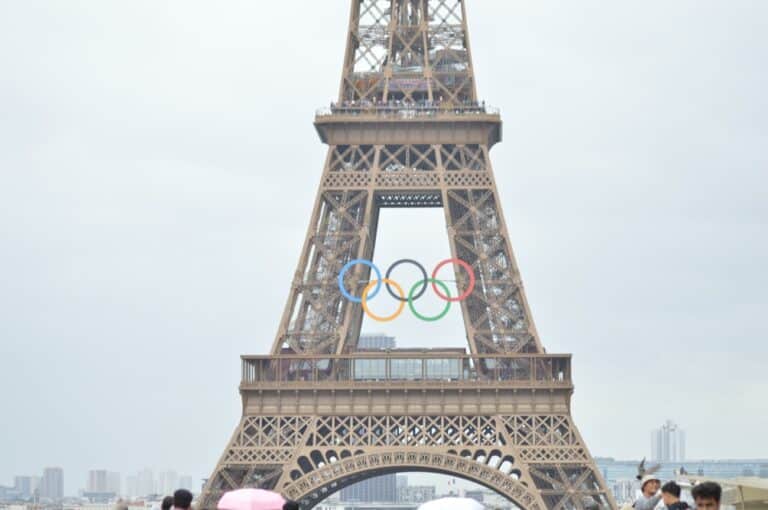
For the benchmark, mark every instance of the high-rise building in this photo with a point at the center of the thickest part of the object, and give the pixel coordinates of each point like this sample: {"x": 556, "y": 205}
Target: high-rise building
{"x": 376, "y": 341}
{"x": 102, "y": 483}
{"x": 185, "y": 482}
{"x": 145, "y": 484}
{"x": 52, "y": 484}
{"x": 167, "y": 482}
{"x": 132, "y": 486}
{"x": 381, "y": 489}
{"x": 97, "y": 481}
{"x": 668, "y": 443}
{"x": 114, "y": 484}
{"x": 26, "y": 486}
{"x": 7, "y": 492}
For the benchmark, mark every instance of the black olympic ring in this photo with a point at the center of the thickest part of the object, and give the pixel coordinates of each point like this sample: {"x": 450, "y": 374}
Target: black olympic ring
{"x": 424, "y": 279}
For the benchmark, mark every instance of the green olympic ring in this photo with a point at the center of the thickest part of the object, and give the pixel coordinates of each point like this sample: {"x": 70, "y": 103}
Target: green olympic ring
{"x": 424, "y": 317}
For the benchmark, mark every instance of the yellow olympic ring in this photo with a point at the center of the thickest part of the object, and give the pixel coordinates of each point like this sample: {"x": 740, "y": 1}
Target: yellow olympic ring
{"x": 377, "y": 318}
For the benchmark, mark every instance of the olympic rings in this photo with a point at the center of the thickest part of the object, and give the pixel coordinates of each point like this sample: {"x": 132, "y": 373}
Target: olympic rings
{"x": 469, "y": 271}
{"x": 354, "y": 263}
{"x": 400, "y": 307}
{"x": 423, "y": 281}
{"x": 413, "y": 308}
{"x": 376, "y": 284}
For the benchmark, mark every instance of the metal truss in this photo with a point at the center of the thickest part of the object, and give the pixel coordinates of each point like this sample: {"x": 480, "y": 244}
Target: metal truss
{"x": 409, "y": 133}
{"x": 406, "y": 50}
{"x": 537, "y": 461}
{"x": 360, "y": 179}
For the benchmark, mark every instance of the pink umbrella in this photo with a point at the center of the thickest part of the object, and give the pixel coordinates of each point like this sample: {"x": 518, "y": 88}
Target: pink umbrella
{"x": 251, "y": 499}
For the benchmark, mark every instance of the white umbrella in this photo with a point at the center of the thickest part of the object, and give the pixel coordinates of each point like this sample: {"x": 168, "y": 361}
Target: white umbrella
{"x": 452, "y": 504}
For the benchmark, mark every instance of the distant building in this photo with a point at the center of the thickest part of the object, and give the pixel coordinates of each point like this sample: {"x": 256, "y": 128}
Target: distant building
{"x": 625, "y": 491}
{"x": 375, "y": 341}
{"x": 114, "y": 484}
{"x": 102, "y": 486}
{"x": 145, "y": 483}
{"x": 97, "y": 481}
{"x": 167, "y": 482}
{"x": 477, "y": 495}
{"x": 621, "y": 470}
{"x": 415, "y": 493}
{"x": 381, "y": 489}
{"x": 132, "y": 486}
{"x": 98, "y": 497}
{"x": 52, "y": 484}
{"x": 668, "y": 443}
{"x": 26, "y": 486}
{"x": 185, "y": 482}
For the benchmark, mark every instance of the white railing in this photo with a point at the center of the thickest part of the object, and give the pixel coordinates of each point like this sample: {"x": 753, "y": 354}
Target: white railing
{"x": 405, "y": 110}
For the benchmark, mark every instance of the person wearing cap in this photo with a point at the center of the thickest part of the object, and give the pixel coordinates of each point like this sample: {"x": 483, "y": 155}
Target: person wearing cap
{"x": 649, "y": 486}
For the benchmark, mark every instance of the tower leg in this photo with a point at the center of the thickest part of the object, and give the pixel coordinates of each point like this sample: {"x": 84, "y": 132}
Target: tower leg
{"x": 537, "y": 461}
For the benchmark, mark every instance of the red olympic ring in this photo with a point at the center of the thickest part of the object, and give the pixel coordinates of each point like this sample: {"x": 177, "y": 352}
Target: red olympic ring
{"x": 469, "y": 271}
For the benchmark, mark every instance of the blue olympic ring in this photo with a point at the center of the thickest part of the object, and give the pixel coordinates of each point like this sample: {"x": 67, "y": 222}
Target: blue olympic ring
{"x": 354, "y": 263}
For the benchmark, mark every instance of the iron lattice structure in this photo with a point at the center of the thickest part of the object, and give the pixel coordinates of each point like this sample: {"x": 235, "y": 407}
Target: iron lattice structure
{"x": 408, "y": 131}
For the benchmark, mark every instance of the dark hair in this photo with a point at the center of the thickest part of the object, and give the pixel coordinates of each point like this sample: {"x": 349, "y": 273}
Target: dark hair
{"x": 182, "y": 498}
{"x": 671, "y": 488}
{"x": 290, "y": 505}
{"x": 707, "y": 490}
{"x": 167, "y": 503}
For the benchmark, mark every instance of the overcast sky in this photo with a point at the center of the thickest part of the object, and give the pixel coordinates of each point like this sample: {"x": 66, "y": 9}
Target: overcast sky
{"x": 158, "y": 167}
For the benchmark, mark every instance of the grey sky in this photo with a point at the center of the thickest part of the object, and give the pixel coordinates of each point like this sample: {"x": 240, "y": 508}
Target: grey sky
{"x": 158, "y": 167}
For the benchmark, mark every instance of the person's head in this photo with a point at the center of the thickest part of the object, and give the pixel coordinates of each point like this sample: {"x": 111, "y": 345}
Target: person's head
{"x": 670, "y": 493}
{"x": 182, "y": 498}
{"x": 167, "y": 503}
{"x": 707, "y": 496}
{"x": 290, "y": 505}
{"x": 650, "y": 486}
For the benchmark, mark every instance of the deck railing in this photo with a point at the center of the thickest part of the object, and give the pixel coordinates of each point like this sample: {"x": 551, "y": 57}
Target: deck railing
{"x": 397, "y": 369}
{"x": 407, "y": 111}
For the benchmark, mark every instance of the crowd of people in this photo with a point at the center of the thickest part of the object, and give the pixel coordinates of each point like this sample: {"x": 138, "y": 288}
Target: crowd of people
{"x": 706, "y": 495}
{"x": 182, "y": 500}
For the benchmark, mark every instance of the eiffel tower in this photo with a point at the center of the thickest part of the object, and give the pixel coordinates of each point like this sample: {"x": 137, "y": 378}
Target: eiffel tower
{"x": 408, "y": 130}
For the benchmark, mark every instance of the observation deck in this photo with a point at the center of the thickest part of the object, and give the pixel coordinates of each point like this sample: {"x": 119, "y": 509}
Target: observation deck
{"x": 400, "y": 122}
{"x": 406, "y": 383}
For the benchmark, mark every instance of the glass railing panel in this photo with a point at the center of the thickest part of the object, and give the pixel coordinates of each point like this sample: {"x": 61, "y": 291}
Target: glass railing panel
{"x": 343, "y": 369}
{"x": 447, "y": 369}
{"x": 325, "y": 370}
{"x": 370, "y": 369}
{"x": 409, "y": 369}
{"x": 514, "y": 369}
